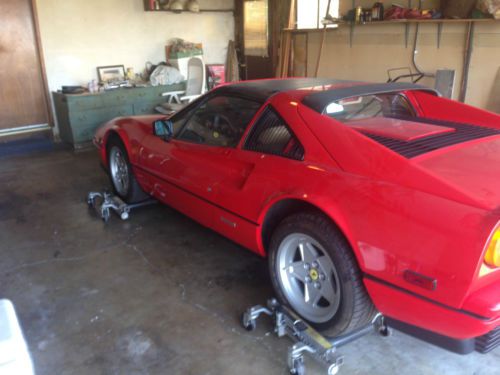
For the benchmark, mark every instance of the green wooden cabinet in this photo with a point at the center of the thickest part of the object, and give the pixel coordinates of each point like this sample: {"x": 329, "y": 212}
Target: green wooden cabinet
{"x": 78, "y": 116}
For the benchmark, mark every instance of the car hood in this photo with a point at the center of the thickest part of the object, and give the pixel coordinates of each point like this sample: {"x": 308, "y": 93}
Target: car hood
{"x": 472, "y": 167}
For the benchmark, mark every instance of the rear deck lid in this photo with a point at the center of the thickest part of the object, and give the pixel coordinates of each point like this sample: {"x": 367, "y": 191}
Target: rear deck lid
{"x": 403, "y": 130}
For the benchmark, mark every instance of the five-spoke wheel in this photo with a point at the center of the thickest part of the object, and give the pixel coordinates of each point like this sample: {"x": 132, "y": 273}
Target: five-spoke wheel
{"x": 314, "y": 271}
{"x": 308, "y": 277}
{"x": 120, "y": 172}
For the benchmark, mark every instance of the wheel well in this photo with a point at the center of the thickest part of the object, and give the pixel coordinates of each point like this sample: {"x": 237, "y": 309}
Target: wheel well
{"x": 113, "y": 135}
{"x": 280, "y": 211}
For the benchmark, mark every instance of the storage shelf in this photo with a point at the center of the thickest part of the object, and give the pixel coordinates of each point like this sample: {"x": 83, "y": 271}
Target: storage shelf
{"x": 437, "y": 20}
{"x": 187, "y": 11}
{"x": 405, "y": 22}
{"x": 399, "y": 22}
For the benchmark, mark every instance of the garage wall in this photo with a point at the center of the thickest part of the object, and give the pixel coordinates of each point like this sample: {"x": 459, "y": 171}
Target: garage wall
{"x": 377, "y": 48}
{"x": 79, "y": 35}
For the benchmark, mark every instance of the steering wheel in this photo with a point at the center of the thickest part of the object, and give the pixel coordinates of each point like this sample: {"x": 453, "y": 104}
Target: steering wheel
{"x": 224, "y": 126}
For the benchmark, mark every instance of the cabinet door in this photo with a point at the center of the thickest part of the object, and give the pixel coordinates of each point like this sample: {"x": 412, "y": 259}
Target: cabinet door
{"x": 22, "y": 93}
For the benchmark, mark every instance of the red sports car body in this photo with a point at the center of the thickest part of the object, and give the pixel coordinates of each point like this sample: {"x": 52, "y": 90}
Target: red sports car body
{"x": 409, "y": 179}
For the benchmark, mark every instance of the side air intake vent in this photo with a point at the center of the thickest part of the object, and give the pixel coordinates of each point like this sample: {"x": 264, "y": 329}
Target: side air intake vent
{"x": 271, "y": 135}
{"x": 488, "y": 342}
{"x": 410, "y": 149}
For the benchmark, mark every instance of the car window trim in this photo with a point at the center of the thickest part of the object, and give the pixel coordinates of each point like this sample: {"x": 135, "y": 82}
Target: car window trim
{"x": 414, "y": 112}
{"x": 207, "y": 98}
{"x": 254, "y": 123}
{"x": 190, "y": 107}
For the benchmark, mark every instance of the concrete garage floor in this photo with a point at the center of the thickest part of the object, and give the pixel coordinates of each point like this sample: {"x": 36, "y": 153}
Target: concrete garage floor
{"x": 158, "y": 294}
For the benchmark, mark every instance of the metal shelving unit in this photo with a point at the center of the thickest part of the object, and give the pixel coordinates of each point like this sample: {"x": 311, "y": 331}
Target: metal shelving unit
{"x": 406, "y": 23}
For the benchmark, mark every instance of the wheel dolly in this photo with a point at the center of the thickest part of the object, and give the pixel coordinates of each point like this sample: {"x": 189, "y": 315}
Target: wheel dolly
{"x": 104, "y": 202}
{"x": 306, "y": 338}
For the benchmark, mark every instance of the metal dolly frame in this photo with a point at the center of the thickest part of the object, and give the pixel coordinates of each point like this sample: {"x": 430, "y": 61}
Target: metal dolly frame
{"x": 306, "y": 338}
{"x": 104, "y": 202}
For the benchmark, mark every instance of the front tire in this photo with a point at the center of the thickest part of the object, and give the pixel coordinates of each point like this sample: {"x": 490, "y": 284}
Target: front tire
{"x": 122, "y": 177}
{"x": 314, "y": 271}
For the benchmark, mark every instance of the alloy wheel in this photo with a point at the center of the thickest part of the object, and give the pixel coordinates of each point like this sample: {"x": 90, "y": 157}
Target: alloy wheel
{"x": 308, "y": 278}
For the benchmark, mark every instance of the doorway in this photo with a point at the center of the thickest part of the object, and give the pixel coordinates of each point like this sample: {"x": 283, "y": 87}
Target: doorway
{"x": 253, "y": 38}
{"x": 23, "y": 98}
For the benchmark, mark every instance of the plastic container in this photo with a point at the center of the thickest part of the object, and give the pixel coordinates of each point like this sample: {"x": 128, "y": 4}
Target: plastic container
{"x": 14, "y": 355}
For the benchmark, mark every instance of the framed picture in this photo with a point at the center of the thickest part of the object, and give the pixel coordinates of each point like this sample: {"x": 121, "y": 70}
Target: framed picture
{"x": 111, "y": 73}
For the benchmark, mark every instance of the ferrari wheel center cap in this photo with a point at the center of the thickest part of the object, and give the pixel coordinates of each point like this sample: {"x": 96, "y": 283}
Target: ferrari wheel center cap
{"x": 313, "y": 273}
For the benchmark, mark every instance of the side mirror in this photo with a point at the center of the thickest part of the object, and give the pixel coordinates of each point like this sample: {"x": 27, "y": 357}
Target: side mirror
{"x": 163, "y": 129}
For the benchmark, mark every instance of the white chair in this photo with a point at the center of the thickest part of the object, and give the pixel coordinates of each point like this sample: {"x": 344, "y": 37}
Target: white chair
{"x": 195, "y": 86}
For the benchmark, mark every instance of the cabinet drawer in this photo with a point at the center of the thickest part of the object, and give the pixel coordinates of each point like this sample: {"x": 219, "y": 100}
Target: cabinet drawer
{"x": 95, "y": 101}
{"x": 84, "y": 102}
{"x": 145, "y": 108}
{"x": 118, "y": 97}
{"x": 99, "y": 115}
{"x": 155, "y": 93}
{"x": 144, "y": 93}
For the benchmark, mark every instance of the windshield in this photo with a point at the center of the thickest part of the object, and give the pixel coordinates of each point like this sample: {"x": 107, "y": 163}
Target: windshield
{"x": 369, "y": 106}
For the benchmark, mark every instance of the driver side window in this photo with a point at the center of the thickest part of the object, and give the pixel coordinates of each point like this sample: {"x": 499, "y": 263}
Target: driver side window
{"x": 219, "y": 121}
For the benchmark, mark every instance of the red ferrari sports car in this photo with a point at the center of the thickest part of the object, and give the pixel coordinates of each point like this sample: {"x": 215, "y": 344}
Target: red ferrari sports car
{"x": 364, "y": 197}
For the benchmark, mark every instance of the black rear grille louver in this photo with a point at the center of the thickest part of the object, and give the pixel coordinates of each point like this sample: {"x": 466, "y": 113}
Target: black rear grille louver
{"x": 488, "y": 342}
{"x": 271, "y": 135}
{"x": 410, "y": 149}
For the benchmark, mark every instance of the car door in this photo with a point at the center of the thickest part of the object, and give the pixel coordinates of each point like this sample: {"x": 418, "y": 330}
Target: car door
{"x": 185, "y": 168}
{"x": 260, "y": 170}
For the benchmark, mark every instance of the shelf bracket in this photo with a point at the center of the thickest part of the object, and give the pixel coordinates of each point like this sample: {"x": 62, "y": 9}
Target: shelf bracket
{"x": 439, "y": 34}
{"x": 469, "y": 46}
{"x": 351, "y": 34}
{"x": 407, "y": 34}
{"x": 351, "y": 26}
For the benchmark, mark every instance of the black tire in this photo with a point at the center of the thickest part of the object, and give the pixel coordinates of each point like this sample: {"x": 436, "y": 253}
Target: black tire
{"x": 133, "y": 193}
{"x": 354, "y": 308}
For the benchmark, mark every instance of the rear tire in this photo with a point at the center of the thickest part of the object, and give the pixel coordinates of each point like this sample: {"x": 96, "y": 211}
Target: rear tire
{"x": 314, "y": 271}
{"x": 120, "y": 171}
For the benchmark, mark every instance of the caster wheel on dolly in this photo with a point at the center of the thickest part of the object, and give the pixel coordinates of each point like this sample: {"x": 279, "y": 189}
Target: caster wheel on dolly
{"x": 105, "y": 215}
{"x": 248, "y": 324}
{"x": 298, "y": 367}
{"x": 91, "y": 202}
{"x": 333, "y": 370}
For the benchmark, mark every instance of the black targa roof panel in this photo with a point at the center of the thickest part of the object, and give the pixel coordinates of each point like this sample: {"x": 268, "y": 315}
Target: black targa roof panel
{"x": 319, "y": 100}
{"x": 262, "y": 90}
